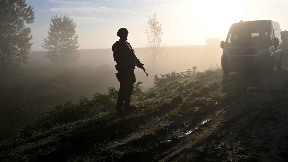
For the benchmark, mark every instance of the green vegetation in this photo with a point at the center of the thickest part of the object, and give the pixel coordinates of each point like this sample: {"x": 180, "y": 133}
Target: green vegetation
{"x": 38, "y": 90}
{"x": 175, "y": 97}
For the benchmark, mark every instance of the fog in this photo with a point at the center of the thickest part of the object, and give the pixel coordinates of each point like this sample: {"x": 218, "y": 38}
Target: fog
{"x": 38, "y": 86}
{"x": 69, "y": 81}
{"x": 179, "y": 59}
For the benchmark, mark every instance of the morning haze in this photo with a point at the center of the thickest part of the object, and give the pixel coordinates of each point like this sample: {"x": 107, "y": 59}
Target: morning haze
{"x": 180, "y": 59}
{"x": 210, "y": 80}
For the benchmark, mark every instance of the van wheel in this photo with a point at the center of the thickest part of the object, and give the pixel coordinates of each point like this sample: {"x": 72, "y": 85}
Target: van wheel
{"x": 279, "y": 65}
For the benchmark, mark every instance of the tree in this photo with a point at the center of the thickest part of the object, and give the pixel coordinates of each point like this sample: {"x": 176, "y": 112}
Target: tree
{"x": 153, "y": 34}
{"x": 14, "y": 36}
{"x": 62, "y": 41}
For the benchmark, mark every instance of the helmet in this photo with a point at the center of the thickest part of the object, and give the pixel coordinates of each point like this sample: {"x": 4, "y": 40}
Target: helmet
{"x": 121, "y": 31}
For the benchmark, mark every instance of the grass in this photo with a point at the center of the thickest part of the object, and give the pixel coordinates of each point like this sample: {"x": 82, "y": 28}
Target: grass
{"x": 174, "y": 97}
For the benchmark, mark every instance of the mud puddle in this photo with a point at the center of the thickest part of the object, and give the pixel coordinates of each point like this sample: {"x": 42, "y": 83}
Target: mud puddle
{"x": 186, "y": 130}
{"x": 168, "y": 135}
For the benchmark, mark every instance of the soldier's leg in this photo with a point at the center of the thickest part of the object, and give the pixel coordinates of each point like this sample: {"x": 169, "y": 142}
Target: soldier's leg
{"x": 121, "y": 93}
{"x": 120, "y": 97}
{"x": 128, "y": 94}
{"x": 130, "y": 82}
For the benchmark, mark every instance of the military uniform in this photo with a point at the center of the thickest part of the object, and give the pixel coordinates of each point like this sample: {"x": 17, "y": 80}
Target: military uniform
{"x": 126, "y": 61}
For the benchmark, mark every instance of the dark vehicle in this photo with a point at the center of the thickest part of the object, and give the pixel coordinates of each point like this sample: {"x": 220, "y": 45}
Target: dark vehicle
{"x": 252, "y": 45}
{"x": 284, "y": 36}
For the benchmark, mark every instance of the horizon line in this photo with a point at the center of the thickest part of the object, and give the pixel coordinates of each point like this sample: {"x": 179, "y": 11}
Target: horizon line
{"x": 134, "y": 48}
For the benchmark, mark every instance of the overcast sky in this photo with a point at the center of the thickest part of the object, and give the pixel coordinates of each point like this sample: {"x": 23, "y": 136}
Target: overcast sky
{"x": 184, "y": 22}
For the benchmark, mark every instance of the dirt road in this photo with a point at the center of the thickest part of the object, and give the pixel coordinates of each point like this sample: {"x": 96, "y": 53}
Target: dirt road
{"x": 255, "y": 128}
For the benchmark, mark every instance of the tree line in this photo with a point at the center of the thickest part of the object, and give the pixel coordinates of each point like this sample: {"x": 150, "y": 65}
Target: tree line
{"x": 62, "y": 41}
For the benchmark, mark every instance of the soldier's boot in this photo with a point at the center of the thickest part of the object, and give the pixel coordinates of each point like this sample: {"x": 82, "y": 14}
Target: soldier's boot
{"x": 128, "y": 107}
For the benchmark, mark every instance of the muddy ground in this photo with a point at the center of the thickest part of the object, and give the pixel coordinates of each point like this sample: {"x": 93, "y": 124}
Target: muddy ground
{"x": 253, "y": 127}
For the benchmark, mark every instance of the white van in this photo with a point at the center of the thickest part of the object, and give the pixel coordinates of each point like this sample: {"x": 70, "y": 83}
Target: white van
{"x": 252, "y": 45}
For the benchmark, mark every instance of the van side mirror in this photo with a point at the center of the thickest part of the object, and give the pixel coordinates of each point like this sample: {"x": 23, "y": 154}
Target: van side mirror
{"x": 222, "y": 44}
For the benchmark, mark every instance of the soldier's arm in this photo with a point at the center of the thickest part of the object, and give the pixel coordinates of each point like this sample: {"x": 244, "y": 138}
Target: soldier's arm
{"x": 114, "y": 49}
{"x": 121, "y": 54}
{"x": 136, "y": 60}
{"x": 139, "y": 64}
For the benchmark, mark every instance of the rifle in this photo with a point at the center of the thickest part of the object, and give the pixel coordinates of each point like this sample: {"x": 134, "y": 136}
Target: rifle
{"x": 131, "y": 49}
{"x": 144, "y": 70}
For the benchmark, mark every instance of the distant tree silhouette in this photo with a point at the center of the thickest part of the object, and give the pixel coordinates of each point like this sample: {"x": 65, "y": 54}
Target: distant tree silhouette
{"x": 14, "y": 36}
{"x": 62, "y": 41}
{"x": 154, "y": 41}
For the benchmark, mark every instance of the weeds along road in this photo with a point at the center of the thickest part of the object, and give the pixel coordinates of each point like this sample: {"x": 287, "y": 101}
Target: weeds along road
{"x": 199, "y": 117}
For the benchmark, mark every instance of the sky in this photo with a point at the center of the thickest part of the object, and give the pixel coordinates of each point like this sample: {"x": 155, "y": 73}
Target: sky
{"x": 184, "y": 22}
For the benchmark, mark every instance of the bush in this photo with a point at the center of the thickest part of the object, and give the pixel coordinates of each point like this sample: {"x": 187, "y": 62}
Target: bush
{"x": 150, "y": 95}
{"x": 137, "y": 89}
{"x": 173, "y": 76}
{"x": 70, "y": 112}
{"x": 176, "y": 101}
{"x": 9, "y": 128}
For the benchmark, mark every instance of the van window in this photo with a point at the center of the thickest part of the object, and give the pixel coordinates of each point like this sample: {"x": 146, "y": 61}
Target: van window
{"x": 277, "y": 33}
{"x": 246, "y": 38}
{"x": 248, "y": 34}
{"x": 255, "y": 35}
{"x": 232, "y": 39}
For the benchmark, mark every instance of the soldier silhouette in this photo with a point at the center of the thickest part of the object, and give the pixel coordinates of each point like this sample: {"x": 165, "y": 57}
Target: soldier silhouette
{"x": 126, "y": 60}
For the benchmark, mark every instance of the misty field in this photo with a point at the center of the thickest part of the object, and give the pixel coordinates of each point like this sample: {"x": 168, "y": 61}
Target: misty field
{"x": 180, "y": 59}
{"x": 190, "y": 115}
{"x": 185, "y": 115}
{"x": 39, "y": 86}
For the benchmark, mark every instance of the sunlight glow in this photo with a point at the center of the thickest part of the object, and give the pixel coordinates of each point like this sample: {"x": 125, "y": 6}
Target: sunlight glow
{"x": 217, "y": 16}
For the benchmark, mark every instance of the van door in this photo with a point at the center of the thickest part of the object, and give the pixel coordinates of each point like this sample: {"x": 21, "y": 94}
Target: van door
{"x": 277, "y": 51}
